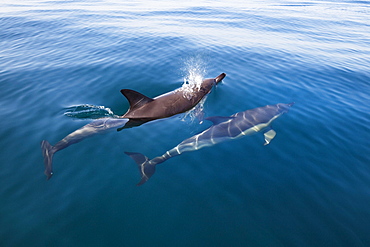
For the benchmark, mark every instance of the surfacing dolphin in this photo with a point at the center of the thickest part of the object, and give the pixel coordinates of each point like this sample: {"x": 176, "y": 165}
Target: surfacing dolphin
{"x": 142, "y": 109}
{"x": 224, "y": 128}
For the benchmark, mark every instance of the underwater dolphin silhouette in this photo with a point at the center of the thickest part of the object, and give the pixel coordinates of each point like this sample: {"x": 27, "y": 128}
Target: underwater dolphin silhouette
{"x": 224, "y": 128}
{"x": 142, "y": 109}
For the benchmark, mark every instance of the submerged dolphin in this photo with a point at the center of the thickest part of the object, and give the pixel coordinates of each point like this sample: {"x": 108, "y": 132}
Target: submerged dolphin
{"x": 97, "y": 126}
{"x": 142, "y": 109}
{"x": 224, "y": 128}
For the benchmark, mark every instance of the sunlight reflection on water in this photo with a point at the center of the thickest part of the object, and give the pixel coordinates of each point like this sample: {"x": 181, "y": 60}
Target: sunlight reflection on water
{"x": 73, "y": 57}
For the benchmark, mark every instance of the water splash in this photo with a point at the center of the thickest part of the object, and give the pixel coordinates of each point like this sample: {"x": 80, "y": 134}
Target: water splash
{"x": 194, "y": 73}
{"x": 196, "y": 113}
{"x": 87, "y": 111}
{"x": 195, "y": 70}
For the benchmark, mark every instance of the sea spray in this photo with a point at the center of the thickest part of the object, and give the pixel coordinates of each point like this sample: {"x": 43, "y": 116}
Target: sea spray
{"x": 194, "y": 73}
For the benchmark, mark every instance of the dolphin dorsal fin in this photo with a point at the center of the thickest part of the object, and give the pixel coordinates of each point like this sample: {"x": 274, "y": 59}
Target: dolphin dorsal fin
{"x": 217, "y": 119}
{"x": 135, "y": 99}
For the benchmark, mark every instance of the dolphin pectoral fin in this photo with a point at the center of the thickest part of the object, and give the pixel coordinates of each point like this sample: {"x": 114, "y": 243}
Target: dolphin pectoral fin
{"x": 119, "y": 129}
{"x": 145, "y": 168}
{"x": 134, "y": 123}
{"x": 269, "y": 135}
{"x": 135, "y": 99}
{"x": 47, "y": 152}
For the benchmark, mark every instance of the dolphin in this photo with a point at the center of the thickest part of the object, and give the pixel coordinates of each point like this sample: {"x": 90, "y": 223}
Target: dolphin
{"x": 142, "y": 109}
{"x": 97, "y": 126}
{"x": 224, "y": 128}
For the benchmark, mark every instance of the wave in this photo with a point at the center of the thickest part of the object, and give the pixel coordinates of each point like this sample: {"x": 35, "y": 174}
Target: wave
{"x": 87, "y": 111}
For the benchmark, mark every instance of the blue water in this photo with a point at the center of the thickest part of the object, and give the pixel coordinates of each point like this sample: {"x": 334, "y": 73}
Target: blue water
{"x": 62, "y": 64}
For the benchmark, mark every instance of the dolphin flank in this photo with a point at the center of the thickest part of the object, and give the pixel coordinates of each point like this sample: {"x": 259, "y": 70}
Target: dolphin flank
{"x": 224, "y": 128}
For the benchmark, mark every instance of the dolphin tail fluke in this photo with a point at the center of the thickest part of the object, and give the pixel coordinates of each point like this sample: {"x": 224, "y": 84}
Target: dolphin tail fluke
{"x": 145, "y": 168}
{"x": 48, "y": 153}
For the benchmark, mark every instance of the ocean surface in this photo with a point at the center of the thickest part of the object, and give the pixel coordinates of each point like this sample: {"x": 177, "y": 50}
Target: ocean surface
{"x": 63, "y": 64}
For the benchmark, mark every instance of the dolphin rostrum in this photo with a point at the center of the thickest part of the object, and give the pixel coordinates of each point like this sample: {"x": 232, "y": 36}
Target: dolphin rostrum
{"x": 224, "y": 128}
{"x": 142, "y": 109}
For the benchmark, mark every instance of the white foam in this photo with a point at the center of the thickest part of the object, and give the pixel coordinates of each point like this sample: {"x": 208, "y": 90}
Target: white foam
{"x": 89, "y": 111}
{"x": 195, "y": 70}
